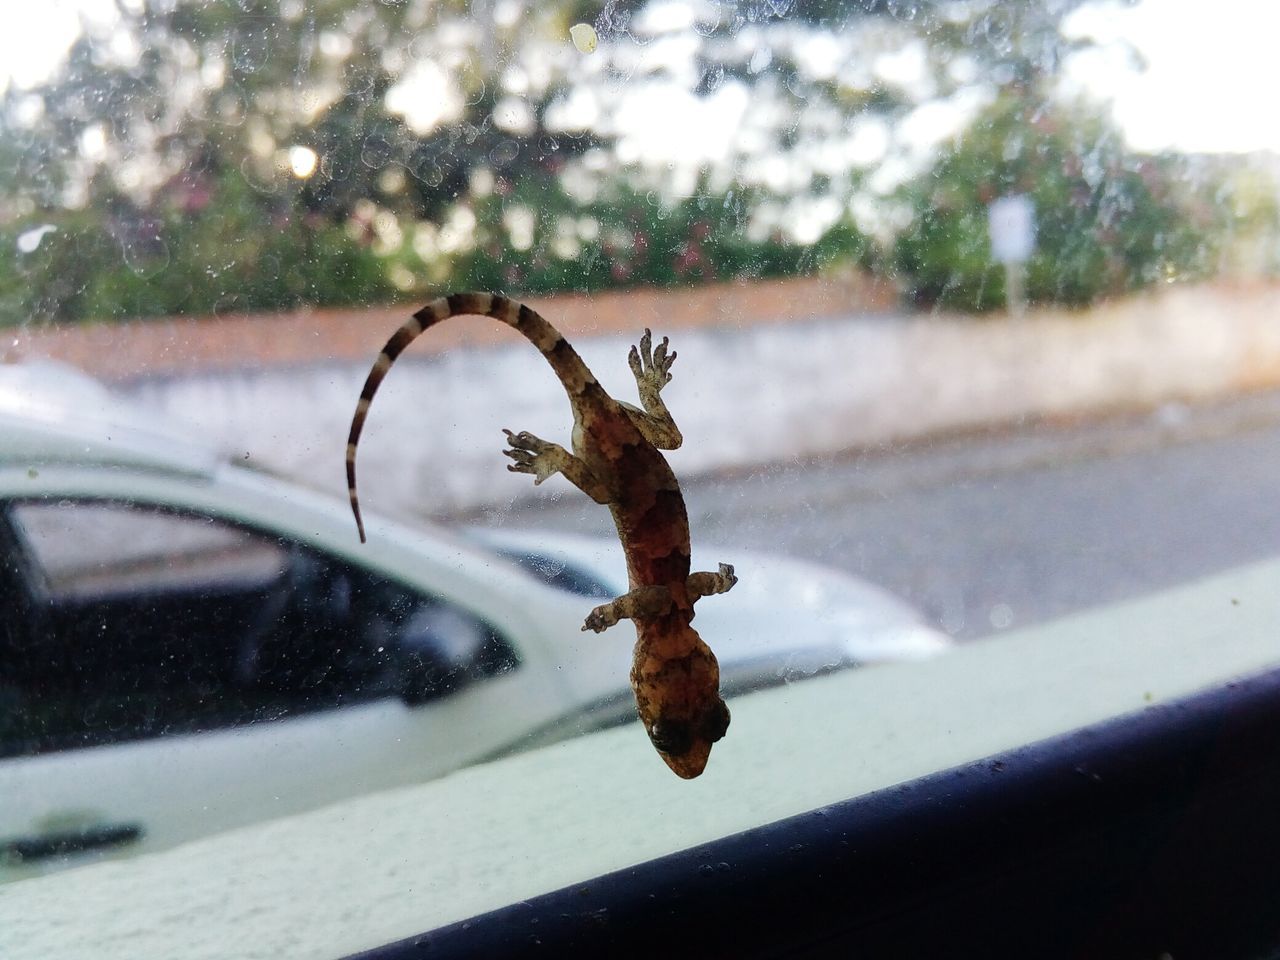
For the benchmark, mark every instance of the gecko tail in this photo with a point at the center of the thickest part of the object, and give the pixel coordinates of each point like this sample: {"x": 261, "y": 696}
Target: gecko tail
{"x": 351, "y": 492}
{"x": 564, "y": 360}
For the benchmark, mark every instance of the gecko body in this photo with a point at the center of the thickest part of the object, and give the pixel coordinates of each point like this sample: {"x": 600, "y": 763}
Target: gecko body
{"x": 617, "y": 461}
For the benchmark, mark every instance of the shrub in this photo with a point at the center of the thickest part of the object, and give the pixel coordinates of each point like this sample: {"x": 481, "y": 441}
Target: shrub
{"x": 1108, "y": 221}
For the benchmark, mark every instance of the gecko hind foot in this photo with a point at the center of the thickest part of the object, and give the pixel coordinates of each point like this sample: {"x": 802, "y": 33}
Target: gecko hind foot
{"x": 643, "y": 603}
{"x": 601, "y": 618}
{"x": 706, "y": 584}
{"x": 727, "y": 577}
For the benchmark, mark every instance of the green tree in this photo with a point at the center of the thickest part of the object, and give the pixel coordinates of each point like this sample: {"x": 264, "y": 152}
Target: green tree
{"x": 165, "y": 147}
{"x": 197, "y": 155}
{"x": 1107, "y": 220}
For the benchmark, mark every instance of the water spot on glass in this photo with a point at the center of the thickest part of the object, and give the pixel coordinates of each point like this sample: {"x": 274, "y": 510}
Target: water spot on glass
{"x": 335, "y": 166}
{"x": 1001, "y": 616}
{"x": 229, "y": 108}
{"x": 584, "y": 37}
{"x": 712, "y": 80}
{"x": 709, "y": 21}
{"x": 251, "y": 47}
{"x": 474, "y": 96}
{"x": 146, "y": 256}
{"x": 420, "y": 47}
{"x": 255, "y": 179}
{"x": 269, "y": 266}
{"x": 357, "y": 80}
{"x": 227, "y": 305}
{"x": 995, "y": 28}
{"x": 504, "y": 153}
{"x": 639, "y": 39}
{"x": 952, "y": 618}
{"x": 29, "y": 240}
{"x": 903, "y": 9}
{"x": 548, "y": 566}
{"x": 613, "y": 21}
{"x": 548, "y": 144}
{"x": 427, "y": 171}
{"x": 375, "y": 152}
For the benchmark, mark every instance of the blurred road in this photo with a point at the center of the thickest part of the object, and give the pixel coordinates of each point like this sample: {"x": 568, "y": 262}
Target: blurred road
{"x": 990, "y": 532}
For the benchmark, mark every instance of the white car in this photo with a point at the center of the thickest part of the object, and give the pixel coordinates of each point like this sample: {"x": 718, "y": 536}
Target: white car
{"x": 187, "y": 645}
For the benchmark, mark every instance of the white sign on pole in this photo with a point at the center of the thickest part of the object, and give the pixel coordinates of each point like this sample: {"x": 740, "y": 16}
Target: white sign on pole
{"x": 1011, "y": 222}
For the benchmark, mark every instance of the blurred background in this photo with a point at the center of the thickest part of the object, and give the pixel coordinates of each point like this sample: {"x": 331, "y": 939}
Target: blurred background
{"x": 166, "y": 157}
{"x": 224, "y": 206}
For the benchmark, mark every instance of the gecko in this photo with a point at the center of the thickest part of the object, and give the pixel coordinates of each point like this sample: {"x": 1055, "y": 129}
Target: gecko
{"x": 616, "y": 460}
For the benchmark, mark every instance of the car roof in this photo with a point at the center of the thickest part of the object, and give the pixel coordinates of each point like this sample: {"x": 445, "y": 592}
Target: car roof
{"x": 52, "y": 413}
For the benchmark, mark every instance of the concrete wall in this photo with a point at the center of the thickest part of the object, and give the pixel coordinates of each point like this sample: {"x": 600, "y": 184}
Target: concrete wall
{"x": 743, "y": 395}
{"x": 190, "y": 345}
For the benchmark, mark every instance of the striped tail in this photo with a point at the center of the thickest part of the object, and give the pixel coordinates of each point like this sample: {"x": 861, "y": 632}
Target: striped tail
{"x": 564, "y": 360}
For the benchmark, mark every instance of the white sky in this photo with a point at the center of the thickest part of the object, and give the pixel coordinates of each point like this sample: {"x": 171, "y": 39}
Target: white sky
{"x": 37, "y": 39}
{"x": 1212, "y": 72}
{"x": 1212, "y": 68}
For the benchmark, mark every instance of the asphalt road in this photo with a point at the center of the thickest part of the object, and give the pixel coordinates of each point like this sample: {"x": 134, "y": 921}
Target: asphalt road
{"x": 984, "y": 533}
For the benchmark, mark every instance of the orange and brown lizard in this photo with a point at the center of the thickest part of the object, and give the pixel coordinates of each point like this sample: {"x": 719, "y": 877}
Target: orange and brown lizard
{"x": 616, "y": 462}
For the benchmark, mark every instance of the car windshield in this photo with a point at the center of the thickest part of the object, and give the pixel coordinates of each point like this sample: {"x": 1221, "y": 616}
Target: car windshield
{"x": 749, "y": 404}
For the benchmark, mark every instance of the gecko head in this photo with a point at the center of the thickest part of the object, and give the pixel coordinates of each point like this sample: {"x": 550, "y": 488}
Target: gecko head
{"x": 684, "y": 742}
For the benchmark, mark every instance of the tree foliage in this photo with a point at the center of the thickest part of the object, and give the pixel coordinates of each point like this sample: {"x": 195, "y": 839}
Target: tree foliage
{"x": 1107, "y": 220}
{"x": 197, "y": 156}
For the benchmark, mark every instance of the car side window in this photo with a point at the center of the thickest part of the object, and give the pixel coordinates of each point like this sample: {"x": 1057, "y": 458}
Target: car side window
{"x": 139, "y": 621}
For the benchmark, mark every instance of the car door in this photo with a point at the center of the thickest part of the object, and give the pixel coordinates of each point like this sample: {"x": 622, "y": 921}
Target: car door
{"x": 166, "y": 674}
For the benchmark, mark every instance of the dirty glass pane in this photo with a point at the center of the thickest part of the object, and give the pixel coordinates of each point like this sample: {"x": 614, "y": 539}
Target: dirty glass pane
{"x": 974, "y": 310}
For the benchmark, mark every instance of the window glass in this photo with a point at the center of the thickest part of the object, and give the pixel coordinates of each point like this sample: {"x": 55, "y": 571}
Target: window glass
{"x": 974, "y": 304}
{"x": 84, "y": 551}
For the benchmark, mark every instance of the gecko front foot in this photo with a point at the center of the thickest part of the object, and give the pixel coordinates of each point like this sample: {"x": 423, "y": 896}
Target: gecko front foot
{"x": 544, "y": 459}
{"x": 651, "y": 366}
{"x": 652, "y": 369}
{"x": 532, "y": 455}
